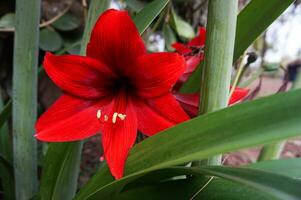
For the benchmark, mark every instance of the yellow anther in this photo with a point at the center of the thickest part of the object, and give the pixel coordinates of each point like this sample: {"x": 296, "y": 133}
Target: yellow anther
{"x": 98, "y": 114}
{"x": 121, "y": 116}
{"x": 114, "y": 117}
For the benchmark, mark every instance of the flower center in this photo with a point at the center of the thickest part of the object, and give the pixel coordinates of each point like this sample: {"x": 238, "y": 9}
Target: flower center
{"x": 123, "y": 83}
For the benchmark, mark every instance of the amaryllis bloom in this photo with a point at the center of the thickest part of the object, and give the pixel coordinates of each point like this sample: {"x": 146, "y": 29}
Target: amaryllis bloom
{"x": 117, "y": 89}
{"x": 193, "y": 53}
{"x": 190, "y": 102}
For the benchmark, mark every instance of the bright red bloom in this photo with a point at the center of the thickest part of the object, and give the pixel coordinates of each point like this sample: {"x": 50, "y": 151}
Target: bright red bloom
{"x": 190, "y": 102}
{"x": 193, "y": 52}
{"x": 116, "y": 89}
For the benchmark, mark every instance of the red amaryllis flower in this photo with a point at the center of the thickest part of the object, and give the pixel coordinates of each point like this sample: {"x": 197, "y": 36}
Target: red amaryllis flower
{"x": 190, "y": 102}
{"x": 193, "y": 52}
{"x": 117, "y": 89}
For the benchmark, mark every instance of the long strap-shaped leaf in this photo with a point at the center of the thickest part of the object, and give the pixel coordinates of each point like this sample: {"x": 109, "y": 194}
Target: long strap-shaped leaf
{"x": 251, "y": 22}
{"x": 216, "y": 188}
{"x": 275, "y": 118}
{"x": 281, "y": 187}
{"x": 145, "y": 17}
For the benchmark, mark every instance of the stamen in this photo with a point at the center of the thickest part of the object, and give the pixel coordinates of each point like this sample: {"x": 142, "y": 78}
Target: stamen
{"x": 106, "y": 118}
{"x": 121, "y": 116}
{"x": 98, "y": 114}
{"x": 114, "y": 117}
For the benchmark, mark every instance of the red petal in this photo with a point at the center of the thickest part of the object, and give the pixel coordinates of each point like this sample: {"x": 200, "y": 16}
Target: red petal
{"x": 119, "y": 137}
{"x": 78, "y": 75}
{"x": 169, "y": 108}
{"x": 156, "y": 73}
{"x": 150, "y": 121}
{"x": 116, "y": 41}
{"x": 69, "y": 119}
{"x": 189, "y": 102}
{"x": 200, "y": 39}
{"x": 238, "y": 94}
{"x": 181, "y": 48}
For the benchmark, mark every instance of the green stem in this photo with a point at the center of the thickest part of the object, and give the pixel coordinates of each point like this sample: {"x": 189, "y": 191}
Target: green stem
{"x": 219, "y": 49}
{"x": 238, "y": 75}
{"x": 25, "y": 97}
{"x": 273, "y": 151}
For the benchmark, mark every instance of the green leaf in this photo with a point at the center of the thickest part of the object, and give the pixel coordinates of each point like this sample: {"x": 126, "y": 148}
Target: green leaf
{"x": 169, "y": 37}
{"x": 217, "y": 188}
{"x": 5, "y": 112}
{"x": 6, "y": 170}
{"x": 254, "y": 19}
{"x": 271, "y": 66}
{"x": 67, "y": 22}
{"x": 287, "y": 167}
{"x": 7, "y": 178}
{"x": 279, "y": 186}
{"x": 275, "y": 118}
{"x": 50, "y": 40}
{"x": 148, "y": 14}
{"x": 183, "y": 28}
{"x": 7, "y": 20}
{"x": 135, "y": 5}
{"x": 58, "y": 180}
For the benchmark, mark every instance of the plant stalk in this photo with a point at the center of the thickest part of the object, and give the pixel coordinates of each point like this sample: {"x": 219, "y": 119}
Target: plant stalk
{"x": 216, "y": 75}
{"x": 25, "y": 97}
{"x": 273, "y": 151}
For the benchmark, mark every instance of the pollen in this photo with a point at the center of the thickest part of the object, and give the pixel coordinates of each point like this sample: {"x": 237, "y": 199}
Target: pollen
{"x": 121, "y": 116}
{"x": 114, "y": 117}
{"x": 98, "y": 114}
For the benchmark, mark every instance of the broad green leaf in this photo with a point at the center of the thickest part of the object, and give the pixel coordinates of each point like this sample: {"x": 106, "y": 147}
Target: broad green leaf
{"x": 169, "y": 37}
{"x": 217, "y": 188}
{"x": 7, "y": 20}
{"x": 6, "y": 170}
{"x": 271, "y": 66}
{"x": 67, "y": 22}
{"x": 182, "y": 27}
{"x": 254, "y": 19}
{"x": 287, "y": 167}
{"x": 5, "y": 112}
{"x": 278, "y": 186}
{"x": 148, "y": 14}
{"x": 50, "y": 40}
{"x": 7, "y": 178}
{"x": 275, "y": 118}
{"x": 57, "y": 174}
{"x": 135, "y": 5}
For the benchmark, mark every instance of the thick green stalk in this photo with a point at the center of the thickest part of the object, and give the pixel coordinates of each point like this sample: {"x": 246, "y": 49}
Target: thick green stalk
{"x": 273, "y": 151}
{"x": 25, "y": 97}
{"x": 216, "y": 75}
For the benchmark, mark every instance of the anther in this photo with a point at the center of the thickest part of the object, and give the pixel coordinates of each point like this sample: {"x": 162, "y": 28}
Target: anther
{"x": 98, "y": 114}
{"x": 106, "y": 118}
{"x": 114, "y": 117}
{"x": 121, "y": 116}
